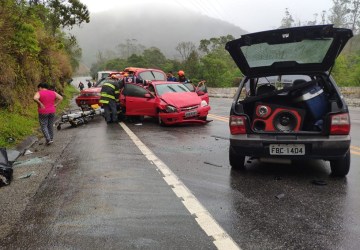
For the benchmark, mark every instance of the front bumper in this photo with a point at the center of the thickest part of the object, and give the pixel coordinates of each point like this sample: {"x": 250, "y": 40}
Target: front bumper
{"x": 316, "y": 147}
{"x": 180, "y": 118}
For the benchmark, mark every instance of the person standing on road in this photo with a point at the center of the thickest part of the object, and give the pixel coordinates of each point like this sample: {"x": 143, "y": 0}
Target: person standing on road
{"x": 131, "y": 78}
{"x": 81, "y": 86}
{"x": 109, "y": 98}
{"x": 171, "y": 77}
{"x": 89, "y": 84}
{"x": 47, "y": 101}
{"x": 182, "y": 77}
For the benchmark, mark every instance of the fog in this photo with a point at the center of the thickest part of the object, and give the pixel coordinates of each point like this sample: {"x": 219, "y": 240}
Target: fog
{"x": 151, "y": 26}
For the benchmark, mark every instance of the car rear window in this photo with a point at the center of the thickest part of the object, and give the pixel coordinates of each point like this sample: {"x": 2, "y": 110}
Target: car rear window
{"x": 306, "y": 51}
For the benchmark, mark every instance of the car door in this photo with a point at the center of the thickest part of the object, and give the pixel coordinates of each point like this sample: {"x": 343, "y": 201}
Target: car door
{"x": 138, "y": 100}
{"x": 201, "y": 90}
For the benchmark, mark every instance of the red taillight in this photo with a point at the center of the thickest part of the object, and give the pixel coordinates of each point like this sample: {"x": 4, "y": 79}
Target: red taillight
{"x": 340, "y": 124}
{"x": 237, "y": 125}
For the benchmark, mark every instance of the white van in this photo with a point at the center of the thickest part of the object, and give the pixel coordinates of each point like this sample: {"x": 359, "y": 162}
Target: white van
{"x": 103, "y": 74}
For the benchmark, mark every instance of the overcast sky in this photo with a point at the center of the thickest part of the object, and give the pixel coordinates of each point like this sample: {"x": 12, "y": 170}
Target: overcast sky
{"x": 250, "y": 15}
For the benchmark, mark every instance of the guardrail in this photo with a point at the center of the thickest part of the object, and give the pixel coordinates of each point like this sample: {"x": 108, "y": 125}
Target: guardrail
{"x": 351, "y": 94}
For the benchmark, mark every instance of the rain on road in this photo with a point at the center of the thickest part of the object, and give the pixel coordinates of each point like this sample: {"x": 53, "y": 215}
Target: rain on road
{"x": 109, "y": 195}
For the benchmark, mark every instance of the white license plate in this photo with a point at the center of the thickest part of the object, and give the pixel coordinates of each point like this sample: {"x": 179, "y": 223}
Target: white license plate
{"x": 287, "y": 149}
{"x": 191, "y": 113}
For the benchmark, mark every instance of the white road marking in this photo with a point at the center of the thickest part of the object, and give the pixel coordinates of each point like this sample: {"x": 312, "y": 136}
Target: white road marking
{"x": 221, "y": 239}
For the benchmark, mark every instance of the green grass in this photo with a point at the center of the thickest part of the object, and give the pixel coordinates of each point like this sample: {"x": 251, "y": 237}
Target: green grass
{"x": 14, "y": 127}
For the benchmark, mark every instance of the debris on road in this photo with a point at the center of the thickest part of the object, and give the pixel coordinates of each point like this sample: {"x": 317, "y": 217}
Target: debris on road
{"x": 27, "y": 175}
{"x": 213, "y": 164}
{"x": 319, "y": 182}
{"x": 6, "y": 170}
{"x": 280, "y": 196}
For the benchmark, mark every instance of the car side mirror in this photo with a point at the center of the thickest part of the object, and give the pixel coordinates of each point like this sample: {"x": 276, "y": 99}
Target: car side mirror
{"x": 148, "y": 95}
{"x": 200, "y": 92}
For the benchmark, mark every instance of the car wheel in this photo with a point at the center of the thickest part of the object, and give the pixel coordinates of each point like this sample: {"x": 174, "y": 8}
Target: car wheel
{"x": 340, "y": 167}
{"x": 237, "y": 161}
{"x": 203, "y": 118}
{"x": 160, "y": 121}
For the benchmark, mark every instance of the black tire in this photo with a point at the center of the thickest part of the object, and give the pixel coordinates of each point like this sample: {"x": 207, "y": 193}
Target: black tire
{"x": 203, "y": 118}
{"x": 237, "y": 162}
{"x": 341, "y": 167}
{"x": 160, "y": 122}
{"x": 58, "y": 127}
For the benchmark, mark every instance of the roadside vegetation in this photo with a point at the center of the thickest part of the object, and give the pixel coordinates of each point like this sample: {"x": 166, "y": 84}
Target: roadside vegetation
{"x": 34, "y": 47}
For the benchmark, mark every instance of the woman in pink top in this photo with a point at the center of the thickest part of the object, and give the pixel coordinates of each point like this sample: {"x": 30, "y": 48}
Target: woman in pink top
{"x": 47, "y": 101}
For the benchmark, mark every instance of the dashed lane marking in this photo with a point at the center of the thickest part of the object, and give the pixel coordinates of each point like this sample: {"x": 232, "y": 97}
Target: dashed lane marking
{"x": 221, "y": 239}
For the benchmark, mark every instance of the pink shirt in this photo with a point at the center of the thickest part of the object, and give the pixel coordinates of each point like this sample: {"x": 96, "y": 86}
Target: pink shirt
{"x": 47, "y": 97}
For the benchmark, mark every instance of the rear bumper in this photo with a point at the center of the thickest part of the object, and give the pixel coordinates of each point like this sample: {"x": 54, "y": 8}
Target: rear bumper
{"x": 319, "y": 147}
{"x": 86, "y": 101}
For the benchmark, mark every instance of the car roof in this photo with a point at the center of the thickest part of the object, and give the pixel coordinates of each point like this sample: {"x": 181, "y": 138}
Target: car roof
{"x": 297, "y": 50}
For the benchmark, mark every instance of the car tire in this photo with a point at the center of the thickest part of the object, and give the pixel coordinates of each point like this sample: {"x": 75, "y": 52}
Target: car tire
{"x": 203, "y": 118}
{"x": 160, "y": 121}
{"x": 340, "y": 167}
{"x": 237, "y": 162}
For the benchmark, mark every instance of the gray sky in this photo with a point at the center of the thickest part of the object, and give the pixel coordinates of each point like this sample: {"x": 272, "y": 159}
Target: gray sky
{"x": 250, "y": 15}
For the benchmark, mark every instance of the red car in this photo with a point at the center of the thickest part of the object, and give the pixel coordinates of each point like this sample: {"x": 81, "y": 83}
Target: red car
{"x": 169, "y": 102}
{"x": 91, "y": 96}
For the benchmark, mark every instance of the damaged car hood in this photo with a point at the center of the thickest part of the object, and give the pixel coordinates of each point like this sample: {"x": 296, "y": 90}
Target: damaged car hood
{"x": 183, "y": 99}
{"x": 291, "y": 50}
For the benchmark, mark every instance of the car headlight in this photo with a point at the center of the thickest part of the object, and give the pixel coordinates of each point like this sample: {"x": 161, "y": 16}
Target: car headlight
{"x": 203, "y": 103}
{"x": 170, "y": 109}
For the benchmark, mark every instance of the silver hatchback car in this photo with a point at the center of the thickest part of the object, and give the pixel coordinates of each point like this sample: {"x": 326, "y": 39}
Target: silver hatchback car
{"x": 288, "y": 106}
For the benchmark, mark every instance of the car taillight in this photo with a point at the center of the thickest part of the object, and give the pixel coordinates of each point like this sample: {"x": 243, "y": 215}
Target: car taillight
{"x": 340, "y": 124}
{"x": 237, "y": 125}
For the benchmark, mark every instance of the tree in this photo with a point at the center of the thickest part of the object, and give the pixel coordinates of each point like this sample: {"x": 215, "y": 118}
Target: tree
{"x": 154, "y": 58}
{"x": 61, "y": 13}
{"x": 339, "y": 13}
{"x": 130, "y": 47}
{"x": 185, "y": 49}
{"x": 354, "y": 13}
{"x": 288, "y": 20}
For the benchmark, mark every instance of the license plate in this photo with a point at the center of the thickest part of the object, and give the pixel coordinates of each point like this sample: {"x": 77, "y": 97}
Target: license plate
{"x": 287, "y": 149}
{"x": 191, "y": 113}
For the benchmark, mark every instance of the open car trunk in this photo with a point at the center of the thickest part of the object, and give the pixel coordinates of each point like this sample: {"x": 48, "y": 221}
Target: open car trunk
{"x": 289, "y": 103}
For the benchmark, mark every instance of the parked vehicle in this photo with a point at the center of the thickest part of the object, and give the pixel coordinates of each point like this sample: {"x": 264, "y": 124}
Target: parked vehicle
{"x": 90, "y": 96}
{"x": 104, "y": 74}
{"x": 169, "y": 102}
{"x": 288, "y": 106}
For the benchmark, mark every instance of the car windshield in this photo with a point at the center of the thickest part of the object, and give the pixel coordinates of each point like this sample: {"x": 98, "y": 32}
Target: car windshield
{"x": 152, "y": 75}
{"x": 305, "y": 51}
{"x": 170, "y": 88}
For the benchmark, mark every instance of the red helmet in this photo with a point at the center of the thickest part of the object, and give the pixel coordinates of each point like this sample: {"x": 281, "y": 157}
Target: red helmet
{"x": 181, "y": 73}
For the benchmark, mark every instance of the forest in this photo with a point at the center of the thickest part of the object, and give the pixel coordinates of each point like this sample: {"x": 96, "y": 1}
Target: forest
{"x": 35, "y": 47}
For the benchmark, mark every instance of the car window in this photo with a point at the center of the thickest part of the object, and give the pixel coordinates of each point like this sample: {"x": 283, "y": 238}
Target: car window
{"x": 190, "y": 86}
{"x": 168, "y": 88}
{"x": 202, "y": 88}
{"x": 152, "y": 75}
{"x": 134, "y": 90}
{"x": 305, "y": 51}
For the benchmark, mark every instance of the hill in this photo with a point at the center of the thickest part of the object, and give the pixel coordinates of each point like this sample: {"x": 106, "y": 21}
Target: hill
{"x": 163, "y": 27}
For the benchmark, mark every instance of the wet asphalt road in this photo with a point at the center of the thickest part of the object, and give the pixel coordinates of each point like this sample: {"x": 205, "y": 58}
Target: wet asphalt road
{"x": 108, "y": 195}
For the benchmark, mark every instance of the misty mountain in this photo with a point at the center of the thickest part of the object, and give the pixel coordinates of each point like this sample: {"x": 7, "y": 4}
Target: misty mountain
{"x": 162, "y": 26}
